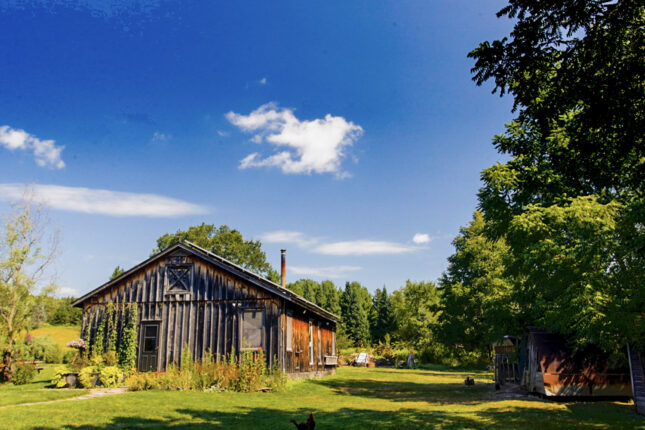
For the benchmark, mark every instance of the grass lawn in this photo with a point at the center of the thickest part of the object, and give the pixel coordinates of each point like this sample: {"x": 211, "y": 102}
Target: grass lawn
{"x": 35, "y": 391}
{"x": 61, "y": 334}
{"x": 355, "y": 398}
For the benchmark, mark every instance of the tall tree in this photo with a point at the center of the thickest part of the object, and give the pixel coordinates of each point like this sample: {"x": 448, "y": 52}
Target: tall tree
{"x": 569, "y": 202}
{"x": 225, "y": 242}
{"x": 476, "y": 305}
{"x": 415, "y": 313}
{"x": 23, "y": 261}
{"x": 382, "y": 321}
{"x": 355, "y": 304}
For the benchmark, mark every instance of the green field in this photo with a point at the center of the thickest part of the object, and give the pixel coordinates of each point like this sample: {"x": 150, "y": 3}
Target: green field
{"x": 36, "y": 391}
{"x": 61, "y": 334}
{"x": 355, "y": 398}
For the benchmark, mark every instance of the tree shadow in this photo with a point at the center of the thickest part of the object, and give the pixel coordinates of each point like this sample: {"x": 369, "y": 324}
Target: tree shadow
{"x": 351, "y": 418}
{"x": 442, "y": 393}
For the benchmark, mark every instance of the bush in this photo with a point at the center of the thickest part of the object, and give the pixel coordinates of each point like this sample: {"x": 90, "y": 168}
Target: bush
{"x": 252, "y": 371}
{"x": 110, "y": 376}
{"x": 87, "y": 376}
{"x": 59, "y": 376}
{"x": 42, "y": 349}
{"x": 69, "y": 356}
{"x": 110, "y": 358}
{"x": 23, "y": 373}
{"x": 277, "y": 379}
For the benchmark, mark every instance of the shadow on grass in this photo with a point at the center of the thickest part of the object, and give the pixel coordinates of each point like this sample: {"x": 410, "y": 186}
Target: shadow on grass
{"x": 442, "y": 393}
{"x": 350, "y": 418}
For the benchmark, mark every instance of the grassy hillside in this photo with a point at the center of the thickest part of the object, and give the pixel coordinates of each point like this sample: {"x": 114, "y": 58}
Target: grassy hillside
{"x": 60, "y": 334}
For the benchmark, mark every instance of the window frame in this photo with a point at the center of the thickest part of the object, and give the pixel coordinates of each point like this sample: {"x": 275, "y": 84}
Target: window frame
{"x": 262, "y": 329}
{"x": 311, "y": 343}
{"x": 289, "y": 332}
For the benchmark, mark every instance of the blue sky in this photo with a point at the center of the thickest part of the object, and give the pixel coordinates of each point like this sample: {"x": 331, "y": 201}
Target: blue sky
{"x": 349, "y": 133}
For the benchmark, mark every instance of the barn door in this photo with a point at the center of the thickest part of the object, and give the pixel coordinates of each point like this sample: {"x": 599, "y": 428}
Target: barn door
{"x": 149, "y": 347}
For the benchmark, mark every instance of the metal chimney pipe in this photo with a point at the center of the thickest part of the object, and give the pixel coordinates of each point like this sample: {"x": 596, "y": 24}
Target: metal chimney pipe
{"x": 283, "y": 256}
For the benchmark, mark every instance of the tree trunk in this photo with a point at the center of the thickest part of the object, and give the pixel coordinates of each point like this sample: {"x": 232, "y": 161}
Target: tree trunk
{"x": 7, "y": 362}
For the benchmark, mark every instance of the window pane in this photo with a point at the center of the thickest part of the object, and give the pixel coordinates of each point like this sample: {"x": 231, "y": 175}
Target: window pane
{"x": 252, "y": 324}
{"x": 151, "y": 331}
{"x": 289, "y": 332}
{"x": 149, "y": 344}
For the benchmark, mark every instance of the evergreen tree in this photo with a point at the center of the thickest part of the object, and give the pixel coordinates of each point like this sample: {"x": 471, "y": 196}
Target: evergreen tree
{"x": 355, "y": 311}
{"x": 383, "y": 316}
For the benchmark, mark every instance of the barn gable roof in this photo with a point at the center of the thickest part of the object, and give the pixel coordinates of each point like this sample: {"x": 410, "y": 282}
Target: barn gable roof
{"x": 225, "y": 265}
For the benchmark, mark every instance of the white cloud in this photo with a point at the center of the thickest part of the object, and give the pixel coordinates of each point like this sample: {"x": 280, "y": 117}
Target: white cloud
{"x": 222, "y": 133}
{"x": 104, "y": 202}
{"x": 46, "y": 153}
{"x": 316, "y": 146}
{"x": 160, "y": 137}
{"x": 66, "y": 292}
{"x": 263, "y": 81}
{"x": 421, "y": 238}
{"x": 295, "y": 237}
{"x": 323, "y": 272}
{"x": 363, "y": 247}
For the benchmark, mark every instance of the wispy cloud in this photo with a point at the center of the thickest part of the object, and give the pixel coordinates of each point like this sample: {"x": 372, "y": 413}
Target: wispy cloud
{"x": 421, "y": 238}
{"x": 158, "y": 137}
{"x": 316, "y": 146}
{"x": 343, "y": 248}
{"x": 294, "y": 237}
{"x": 46, "y": 152}
{"x": 324, "y": 272}
{"x": 104, "y": 202}
{"x": 363, "y": 247}
{"x": 66, "y": 292}
{"x": 263, "y": 81}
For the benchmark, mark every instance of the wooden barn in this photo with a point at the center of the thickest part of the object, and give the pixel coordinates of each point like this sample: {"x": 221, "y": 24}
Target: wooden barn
{"x": 186, "y": 295}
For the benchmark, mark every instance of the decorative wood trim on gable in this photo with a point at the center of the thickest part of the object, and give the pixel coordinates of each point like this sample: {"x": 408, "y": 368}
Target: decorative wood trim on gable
{"x": 179, "y": 276}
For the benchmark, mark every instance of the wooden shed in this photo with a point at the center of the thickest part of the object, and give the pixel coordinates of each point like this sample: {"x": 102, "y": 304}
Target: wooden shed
{"x": 549, "y": 368}
{"x": 186, "y": 295}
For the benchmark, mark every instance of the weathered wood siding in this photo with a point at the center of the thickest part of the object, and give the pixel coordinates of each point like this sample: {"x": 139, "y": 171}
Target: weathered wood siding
{"x": 206, "y": 316}
{"x": 299, "y": 359}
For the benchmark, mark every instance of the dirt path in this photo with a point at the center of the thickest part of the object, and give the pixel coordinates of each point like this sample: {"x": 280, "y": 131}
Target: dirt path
{"x": 94, "y": 393}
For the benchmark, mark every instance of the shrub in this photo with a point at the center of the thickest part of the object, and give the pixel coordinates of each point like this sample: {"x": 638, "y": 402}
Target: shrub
{"x": 252, "y": 371}
{"x": 59, "y": 376}
{"x": 42, "y": 349}
{"x": 110, "y": 376}
{"x": 69, "y": 356}
{"x": 23, "y": 373}
{"x": 110, "y": 358}
{"x": 87, "y": 376}
{"x": 277, "y": 379}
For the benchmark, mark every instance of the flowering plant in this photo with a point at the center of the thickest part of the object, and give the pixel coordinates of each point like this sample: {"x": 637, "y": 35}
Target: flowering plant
{"x": 77, "y": 344}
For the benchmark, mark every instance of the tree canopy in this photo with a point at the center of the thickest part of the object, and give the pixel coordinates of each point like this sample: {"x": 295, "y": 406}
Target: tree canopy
{"x": 225, "y": 242}
{"x": 569, "y": 202}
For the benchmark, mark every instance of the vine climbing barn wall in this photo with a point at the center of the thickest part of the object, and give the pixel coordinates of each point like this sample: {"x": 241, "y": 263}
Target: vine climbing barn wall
{"x": 204, "y": 316}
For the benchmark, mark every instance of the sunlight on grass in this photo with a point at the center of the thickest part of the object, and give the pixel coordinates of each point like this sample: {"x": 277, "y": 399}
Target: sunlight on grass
{"x": 355, "y": 398}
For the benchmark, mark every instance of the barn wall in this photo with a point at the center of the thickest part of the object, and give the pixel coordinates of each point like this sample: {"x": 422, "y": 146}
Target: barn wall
{"x": 205, "y": 317}
{"x": 299, "y": 358}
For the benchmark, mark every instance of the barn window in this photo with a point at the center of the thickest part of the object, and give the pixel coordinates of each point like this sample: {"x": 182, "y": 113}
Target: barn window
{"x": 333, "y": 343}
{"x": 252, "y": 328}
{"x": 319, "y": 346}
{"x": 289, "y": 332}
{"x": 311, "y": 343}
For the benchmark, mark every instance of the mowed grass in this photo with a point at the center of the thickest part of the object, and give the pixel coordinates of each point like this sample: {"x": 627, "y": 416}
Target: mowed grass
{"x": 61, "y": 334}
{"x": 355, "y": 398}
{"x": 35, "y": 391}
